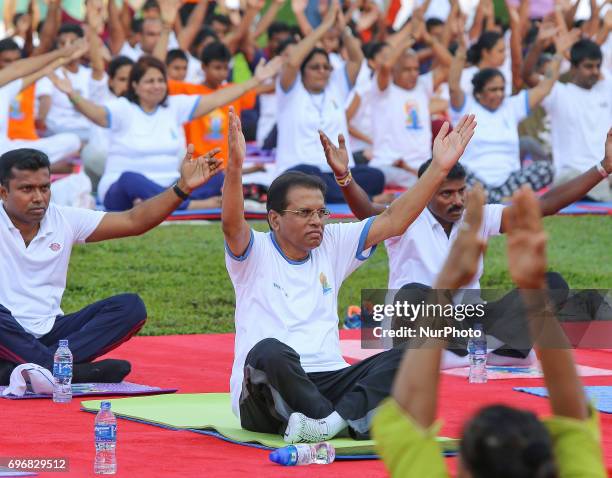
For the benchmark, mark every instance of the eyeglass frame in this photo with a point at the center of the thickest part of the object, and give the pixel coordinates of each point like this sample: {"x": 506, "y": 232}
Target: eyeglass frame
{"x": 323, "y": 212}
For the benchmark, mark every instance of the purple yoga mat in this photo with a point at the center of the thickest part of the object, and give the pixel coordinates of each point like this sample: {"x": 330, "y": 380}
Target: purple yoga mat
{"x": 89, "y": 389}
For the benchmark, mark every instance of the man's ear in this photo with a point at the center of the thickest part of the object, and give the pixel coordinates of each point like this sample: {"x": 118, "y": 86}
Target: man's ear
{"x": 4, "y": 192}
{"x": 273, "y": 220}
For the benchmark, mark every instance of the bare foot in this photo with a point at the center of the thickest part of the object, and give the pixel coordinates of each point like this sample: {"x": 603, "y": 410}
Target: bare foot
{"x": 210, "y": 203}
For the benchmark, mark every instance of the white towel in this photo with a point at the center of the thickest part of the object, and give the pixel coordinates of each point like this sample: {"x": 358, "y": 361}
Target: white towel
{"x": 30, "y": 377}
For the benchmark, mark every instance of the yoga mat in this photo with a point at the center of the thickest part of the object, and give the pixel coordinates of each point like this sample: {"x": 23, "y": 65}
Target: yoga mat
{"x": 92, "y": 389}
{"x": 496, "y": 372}
{"x": 8, "y": 472}
{"x": 212, "y": 412}
{"x": 600, "y": 395}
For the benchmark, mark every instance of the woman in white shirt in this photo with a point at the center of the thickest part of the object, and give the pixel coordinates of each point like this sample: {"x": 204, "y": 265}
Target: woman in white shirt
{"x": 312, "y": 97}
{"x": 492, "y": 157}
{"x": 145, "y": 133}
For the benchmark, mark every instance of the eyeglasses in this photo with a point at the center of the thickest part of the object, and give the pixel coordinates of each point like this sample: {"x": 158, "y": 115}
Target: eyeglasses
{"x": 320, "y": 66}
{"x": 323, "y": 213}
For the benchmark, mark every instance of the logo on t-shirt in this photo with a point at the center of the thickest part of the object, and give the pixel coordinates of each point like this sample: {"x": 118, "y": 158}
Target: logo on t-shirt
{"x": 54, "y": 246}
{"x": 214, "y": 125}
{"x": 324, "y": 284}
{"x": 412, "y": 115}
{"x": 15, "y": 111}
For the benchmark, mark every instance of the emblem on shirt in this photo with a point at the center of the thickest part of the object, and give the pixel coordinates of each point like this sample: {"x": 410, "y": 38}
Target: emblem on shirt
{"x": 54, "y": 246}
{"x": 411, "y": 111}
{"x": 324, "y": 284}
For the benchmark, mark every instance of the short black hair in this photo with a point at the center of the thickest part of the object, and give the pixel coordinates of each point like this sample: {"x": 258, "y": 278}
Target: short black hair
{"x": 203, "y": 34}
{"x": 215, "y": 51}
{"x": 278, "y": 27}
{"x": 486, "y": 41}
{"x": 456, "y": 172}
{"x": 480, "y": 79}
{"x": 8, "y": 44}
{"x": 280, "y": 187}
{"x": 150, "y": 4}
{"x": 175, "y": 54}
{"x": 136, "y": 25}
{"x": 284, "y": 44}
{"x": 432, "y": 23}
{"x": 219, "y": 18}
{"x": 118, "y": 62}
{"x": 373, "y": 48}
{"x": 23, "y": 159}
{"x": 505, "y": 442}
{"x": 71, "y": 28}
{"x": 584, "y": 50}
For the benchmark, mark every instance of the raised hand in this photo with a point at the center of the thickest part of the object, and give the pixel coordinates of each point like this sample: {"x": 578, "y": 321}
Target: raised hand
{"x": 526, "y": 241}
{"x": 80, "y": 48}
{"x": 462, "y": 262}
{"x": 169, "y": 10}
{"x": 196, "y": 172}
{"x": 448, "y": 148}
{"x": 236, "y": 142}
{"x": 607, "y": 162}
{"x": 256, "y": 4}
{"x": 337, "y": 157}
{"x": 565, "y": 41}
{"x": 546, "y": 33}
{"x": 299, "y": 6}
{"x": 62, "y": 83}
{"x": 329, "y": 16}
{"x": 264, "y": 70}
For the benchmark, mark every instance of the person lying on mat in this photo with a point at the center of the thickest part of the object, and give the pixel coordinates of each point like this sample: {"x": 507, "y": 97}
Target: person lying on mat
{"x": 498, "y": 441}
{"x": 289, "y": 376}
{"x": 36, "y": 238}
{"x": 416, "y": 256}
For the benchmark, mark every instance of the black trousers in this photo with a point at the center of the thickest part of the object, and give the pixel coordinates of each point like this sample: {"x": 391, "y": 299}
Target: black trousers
{"x": 275, "y": 385}
{"x": 91, "y": 332}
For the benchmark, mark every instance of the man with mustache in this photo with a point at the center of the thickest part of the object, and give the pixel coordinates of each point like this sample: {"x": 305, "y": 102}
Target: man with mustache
{"x": 416, "y": 257}
{"x": 289, "y": 376}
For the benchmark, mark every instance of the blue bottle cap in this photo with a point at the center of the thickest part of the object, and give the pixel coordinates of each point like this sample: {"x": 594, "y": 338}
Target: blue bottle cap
{"x": 63, "y": 343}
{"x": 105, "y": 405}
{"x": 284, "y": 456}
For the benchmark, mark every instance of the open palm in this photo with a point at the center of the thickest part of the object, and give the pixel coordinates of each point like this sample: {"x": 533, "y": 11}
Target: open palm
{"x": 264, "y": 70}
{"x": 337, "y": 157}
{"x": 196, "y": 172}
{"x": 448, "y": 147}
{"x": 62, "y": 83}
{"x": 236, "y": 142}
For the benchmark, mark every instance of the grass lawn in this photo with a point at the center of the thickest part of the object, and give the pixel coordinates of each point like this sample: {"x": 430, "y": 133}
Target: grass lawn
{"x": 179, "y": 270}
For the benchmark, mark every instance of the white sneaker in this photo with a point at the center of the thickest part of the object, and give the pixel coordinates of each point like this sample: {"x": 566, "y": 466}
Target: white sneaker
{"x": 301, "y": 429}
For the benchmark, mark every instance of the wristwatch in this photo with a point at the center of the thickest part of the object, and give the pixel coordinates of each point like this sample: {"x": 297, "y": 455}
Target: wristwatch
{"x": 179, "y": 192}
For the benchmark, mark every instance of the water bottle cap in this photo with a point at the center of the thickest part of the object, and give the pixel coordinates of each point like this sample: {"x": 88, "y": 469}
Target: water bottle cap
{"x": 105, "y": 405}
{"x": 63, "y": 343}
{"x": 284, "y": 456}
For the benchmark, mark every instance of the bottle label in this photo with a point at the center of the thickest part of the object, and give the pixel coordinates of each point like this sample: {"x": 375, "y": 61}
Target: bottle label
{"x": 63, "y": 370}
{"x": 105, "y": 432}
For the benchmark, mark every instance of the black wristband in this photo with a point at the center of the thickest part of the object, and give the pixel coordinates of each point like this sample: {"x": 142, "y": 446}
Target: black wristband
{"x": 179, "y": 192}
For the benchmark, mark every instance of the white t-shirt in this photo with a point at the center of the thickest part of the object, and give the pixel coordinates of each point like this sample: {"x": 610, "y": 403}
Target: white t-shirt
{"x": 419, "y": 254}
{"x": 268, "y": 109}
{"x": 300, "y": 116}
{"x": 7, "y": 93}
{"x": 195, "y": 74}
{"x": 362, "y": 119}
{"x": 580, "y": 120}
{"x": 606, "y": 63}
{"x": 62, "y": 115}
{"x": 294, "y": 302}
{"x": 493, "y": 152}
{"x": 135, "y": 52}
{"x": 34, "y": 278}
{"x": 402, "y": 124}
{"x": 146, "y": 143}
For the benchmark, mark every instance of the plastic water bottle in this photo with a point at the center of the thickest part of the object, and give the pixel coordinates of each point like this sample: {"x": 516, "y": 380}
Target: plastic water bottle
{"x": 304, "y": 454}
{"x": 105, "y": 431}
{"x": 62, "y": 373}
{"x": 477, "y": 350}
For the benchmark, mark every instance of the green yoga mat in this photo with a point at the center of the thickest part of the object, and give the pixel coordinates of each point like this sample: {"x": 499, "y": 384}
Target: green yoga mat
{"x": 212, "y": 411}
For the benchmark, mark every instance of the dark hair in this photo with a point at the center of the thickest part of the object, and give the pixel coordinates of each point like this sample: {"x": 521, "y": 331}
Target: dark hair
{"x": 16, "y": 17}
{"x": 584, "y": 50}
{"x": 373, "y": 48}
{"x": 486, "y": 42}
{"x": 278, "y": 27}
{"x": 175, "y": 54}
{"x": 150, "y": 4}
{"x": 215, "y": 51}
{"x": 71, "y": 28}
{"x": 118, "y": 62}
{"x": 280, "y": 187}
{"x": 432, "y": 23}
{"x": 483, "y": 77}
{"x": 202, "y": 35}
{"x": 219, "y": 18}
{"x": 138, "y": 71}
{"x": 284, "y": 44}
{"x": 313, "y": 52}
{"x": 8, "y": 44}
{"x": 296, "y": 32}
{"x": 507, "y": 443}
{"x": 136, "y": 25}
{"x": 456, "y": 172}
{"x": 23, "y": 159}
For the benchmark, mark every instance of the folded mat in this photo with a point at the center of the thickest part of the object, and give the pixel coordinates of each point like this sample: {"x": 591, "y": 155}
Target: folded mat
{"x": 496, "y": 372}
{"x": 92, "y": 389}
{"x": 212, "y": 412}
{"x": 600, "y": 395}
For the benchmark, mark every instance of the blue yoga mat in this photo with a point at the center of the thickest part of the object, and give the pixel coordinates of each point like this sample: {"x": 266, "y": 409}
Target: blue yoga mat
{"x": 600, "y": 395}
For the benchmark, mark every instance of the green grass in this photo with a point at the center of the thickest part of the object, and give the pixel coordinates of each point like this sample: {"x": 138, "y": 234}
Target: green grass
{"x": 179, "y": 271}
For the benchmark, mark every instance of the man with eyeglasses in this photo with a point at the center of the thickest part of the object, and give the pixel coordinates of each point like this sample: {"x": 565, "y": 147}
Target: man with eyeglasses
{"x": 289, "y": 376}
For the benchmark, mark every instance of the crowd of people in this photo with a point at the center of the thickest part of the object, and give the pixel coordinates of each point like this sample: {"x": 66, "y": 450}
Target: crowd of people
{"x": 158, "y": 103}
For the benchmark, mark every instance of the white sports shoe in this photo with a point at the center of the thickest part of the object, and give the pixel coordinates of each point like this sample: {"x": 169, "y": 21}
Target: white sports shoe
{"x": 301, "y": 429}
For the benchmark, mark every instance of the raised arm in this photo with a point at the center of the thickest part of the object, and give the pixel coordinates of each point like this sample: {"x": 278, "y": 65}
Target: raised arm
{"x": 223, "y": 96}
{"x": 115, "y": 29}
{"x": 401, "y": 42}
{"x": 539, "y": 92}
{"x": 299, "y": 7}
{"x": 267, "y": 18}
{"x": 516, "y": 45}
{"x": 148, "y": 214}
{"x": 544, "y": 38}
{"x": 604, "y": 31}
{"x": 234, "y": 39}
{"x": 194, "y": 23}
{"x": 236, "y": 230}
{"x": 49, "y": 29}
{"x": 457, "y": 95}
{"x": 298, "y": 53}
{"x": 527, "y": 266}
{"x": 404, "y": 210}
{"x": 95, "y": 46}
{"x": 353, "y": 48}
{"x": 27, "y": 66}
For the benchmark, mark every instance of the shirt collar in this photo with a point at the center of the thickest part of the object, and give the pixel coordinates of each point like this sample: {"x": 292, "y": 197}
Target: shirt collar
{"x": 45, "y": 225}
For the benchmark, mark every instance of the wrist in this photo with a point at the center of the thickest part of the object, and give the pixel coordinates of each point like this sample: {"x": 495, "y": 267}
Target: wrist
{"x": 74, "y": 98}
{"x": 601, "y": 168}
{"x": 183, "y": 187}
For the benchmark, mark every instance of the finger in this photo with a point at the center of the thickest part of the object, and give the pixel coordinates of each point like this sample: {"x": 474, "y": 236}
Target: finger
{"x": 443, "y": 131}
{"x": 341, "y": 141}
{"x": 210, "y": 154}
{"x": 531, "y": 210}
{"x": 189, "y": 153}
{"x": 324, "y": 139}
{"x": 459, "y": 125}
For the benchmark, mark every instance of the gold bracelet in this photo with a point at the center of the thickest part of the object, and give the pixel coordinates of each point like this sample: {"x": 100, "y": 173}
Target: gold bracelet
{"x": 344, "y": 181}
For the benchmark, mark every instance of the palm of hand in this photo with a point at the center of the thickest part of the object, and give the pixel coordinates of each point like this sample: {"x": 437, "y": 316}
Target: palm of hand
{"x": 196, "y": 172}
{"x": 447, "y": 150}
